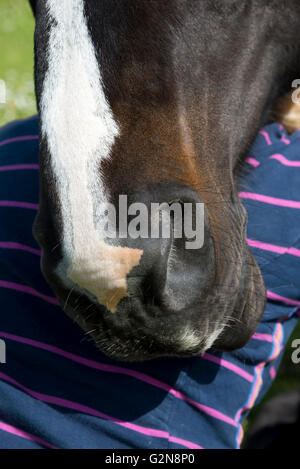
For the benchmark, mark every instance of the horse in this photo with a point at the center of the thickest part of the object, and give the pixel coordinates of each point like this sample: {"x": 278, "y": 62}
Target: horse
{"x": 158, "y": 101}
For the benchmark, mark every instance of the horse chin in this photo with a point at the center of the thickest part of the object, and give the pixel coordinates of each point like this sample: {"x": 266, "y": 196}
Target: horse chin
{"x": 135, "y": 342}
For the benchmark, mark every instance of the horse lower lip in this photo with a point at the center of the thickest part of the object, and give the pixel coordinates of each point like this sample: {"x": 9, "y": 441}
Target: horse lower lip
{"x": 117, "y": 337}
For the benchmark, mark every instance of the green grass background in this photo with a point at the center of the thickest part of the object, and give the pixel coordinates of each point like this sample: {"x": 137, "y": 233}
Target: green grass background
{"x": 16, "y": 69}
{"x": 16, "y": 59}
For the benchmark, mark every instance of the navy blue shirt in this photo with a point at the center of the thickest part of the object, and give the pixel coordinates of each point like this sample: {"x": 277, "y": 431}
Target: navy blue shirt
{"x": 58, "y": 391}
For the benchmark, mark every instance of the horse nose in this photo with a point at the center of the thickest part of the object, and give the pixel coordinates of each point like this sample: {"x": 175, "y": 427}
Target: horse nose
{"x": 175, "y": 240}
{"x": 157, "y": 258}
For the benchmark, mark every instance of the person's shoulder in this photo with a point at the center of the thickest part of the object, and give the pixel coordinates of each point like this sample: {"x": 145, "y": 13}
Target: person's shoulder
{"x": 19, "y": 130}
{"x": 19, "y": 142}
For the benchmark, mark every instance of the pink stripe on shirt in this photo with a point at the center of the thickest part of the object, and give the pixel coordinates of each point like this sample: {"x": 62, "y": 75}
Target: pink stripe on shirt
{"x": 90, "y": 411}
{"x": 270, "y": 200}
{"x": 126, "y": 371}
{"x": 28, "y": 290}
{"x": 265, "y": 134}
{"x": 273, "y": 248}
{"x": 23, "y": 138}
{"x": 15, "y": 204}
{"x": 283, "y": 160}
{"x": 22, "y": 434}
{"x": 283, "y": 299}
{"x": 263, "y": 337}
{"x": 21, "y": 247}
{"x": 230, "y": 366}
{"x": 19, "y": 167}
{"x": 253, "y": 162}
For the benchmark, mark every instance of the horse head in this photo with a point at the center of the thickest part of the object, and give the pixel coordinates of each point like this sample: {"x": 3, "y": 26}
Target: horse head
{"x": 157, "y": 101}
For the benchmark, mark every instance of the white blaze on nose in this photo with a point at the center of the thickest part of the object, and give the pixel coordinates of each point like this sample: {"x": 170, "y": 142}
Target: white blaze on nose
{"x": 78, "y": 125}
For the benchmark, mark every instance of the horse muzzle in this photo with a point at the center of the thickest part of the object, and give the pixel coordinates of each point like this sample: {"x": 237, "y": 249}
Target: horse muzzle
{"x": 174, "y": 301}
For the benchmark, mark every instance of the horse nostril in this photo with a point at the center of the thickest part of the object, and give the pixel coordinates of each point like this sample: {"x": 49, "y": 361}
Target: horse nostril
{"x": 151, "y": 293}
{"x": 170, "y": 267}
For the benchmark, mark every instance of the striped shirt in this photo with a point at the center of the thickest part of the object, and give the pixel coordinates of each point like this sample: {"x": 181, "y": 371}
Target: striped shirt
{"x": 58, "y": 391}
